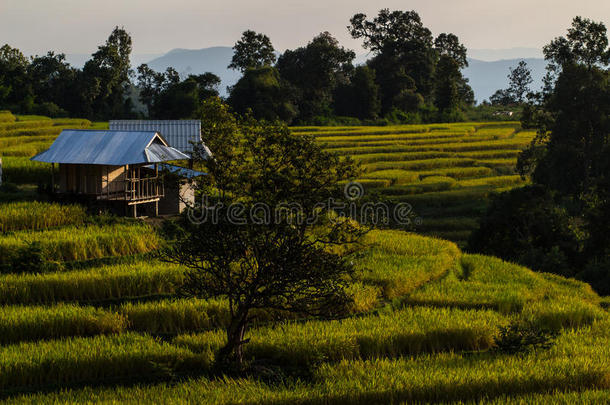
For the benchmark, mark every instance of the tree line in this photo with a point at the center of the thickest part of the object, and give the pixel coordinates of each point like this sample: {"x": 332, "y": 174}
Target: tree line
{"x": 560, "y": 223}
{"x": 410, "y": 77}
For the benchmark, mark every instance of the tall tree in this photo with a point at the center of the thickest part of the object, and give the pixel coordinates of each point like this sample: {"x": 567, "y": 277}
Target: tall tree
{"x": 53, "y": 80}
{"x": 402, "y": 46}
{"x": 254, "y": 260}
{"x": 108, "y": 76}
{"x": 15, "y": 87}
{"x": 252, "y": 51}
{"x": 314, "y": 71}
{"x": 150, "y": 84}
{"x": 449, "y": 45}
{"x": 447, "y": 96}
{"x": 263, "y": 92}
{"x": 519, "y": 79}
{"x": 183, "y": 99}
{"x": 166, "y": 96}
{"x": 452, "y": 90}
{"x": 568, "y": 161}
{"x": 360, "y": 97}
{"x": 586, "y": 43}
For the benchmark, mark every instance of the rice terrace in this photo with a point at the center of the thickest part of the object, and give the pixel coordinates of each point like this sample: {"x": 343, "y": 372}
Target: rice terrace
{"x": 494, "y": 288}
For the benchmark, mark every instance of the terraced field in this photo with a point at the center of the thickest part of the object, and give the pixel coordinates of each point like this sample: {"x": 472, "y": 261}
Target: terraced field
{"x": 426, "y": 322}
{"x": 87, "y": 314}
{"x": 22, "y": 137}
{"x": 445, "y": 171}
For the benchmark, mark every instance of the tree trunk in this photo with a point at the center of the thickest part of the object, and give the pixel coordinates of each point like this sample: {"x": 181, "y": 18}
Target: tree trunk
{"x": 233, "y": 350}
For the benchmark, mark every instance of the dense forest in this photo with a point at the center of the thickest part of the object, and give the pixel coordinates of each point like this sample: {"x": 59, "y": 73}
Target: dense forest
{"x": 411, "y": 77}
{"x": 560, "y": 223}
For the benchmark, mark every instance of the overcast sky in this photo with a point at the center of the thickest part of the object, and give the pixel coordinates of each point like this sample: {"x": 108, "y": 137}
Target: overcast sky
{"x": 79, "y": 26}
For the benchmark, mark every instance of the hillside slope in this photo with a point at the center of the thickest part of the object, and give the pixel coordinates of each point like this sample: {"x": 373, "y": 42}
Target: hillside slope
{"x": 87, "y": 314}
{"x": 427, "y": 320}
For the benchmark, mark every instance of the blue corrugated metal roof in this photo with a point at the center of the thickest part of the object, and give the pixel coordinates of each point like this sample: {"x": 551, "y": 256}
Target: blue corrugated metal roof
{"x": 181, "y": 134}
{"x": 180, "y": 171}
{"x": 104, "y": 147}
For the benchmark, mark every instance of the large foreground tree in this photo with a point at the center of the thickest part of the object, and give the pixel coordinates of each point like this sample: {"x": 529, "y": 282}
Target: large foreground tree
{"x": 262, "y": 239}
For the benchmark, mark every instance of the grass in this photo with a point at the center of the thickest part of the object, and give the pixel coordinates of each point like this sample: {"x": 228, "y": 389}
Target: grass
{"x": 82, "y": 243}
{"x": 433, "y": 342}
{"x": 121, "y": 357}
{"x": 481, "y": 282}
{"x": 423, "y": 326}
{"x": 176, "y": 316}
{"x": 392, "y": 334}
{"x": 106, "y": 283}
{"x": 18, "y": 324}
{"x": 574, "y": 369}
{"x": 395, "y": 176}
{"x": 6, "y": 116}
{"x": 400, "y": 263}
{"x": 38, "y": 216}
{"x": 480, "y": 156}
{"x": 21, "y": 170}
{"x": 420, "y": 165}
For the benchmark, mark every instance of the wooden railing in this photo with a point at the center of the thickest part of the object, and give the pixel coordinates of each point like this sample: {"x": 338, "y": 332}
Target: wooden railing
{"x": 144, "y": 189}
{"x": 133, "y": 190}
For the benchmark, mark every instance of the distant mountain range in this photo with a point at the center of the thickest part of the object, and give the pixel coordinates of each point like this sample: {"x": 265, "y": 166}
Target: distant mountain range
{"x": 487, "y": 77}
{"x": 487, "y": 70}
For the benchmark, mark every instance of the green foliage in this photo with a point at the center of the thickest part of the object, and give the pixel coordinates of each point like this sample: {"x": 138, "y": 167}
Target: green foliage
{"x": 252, "y": 51}
{"x": 19, "y": 324}
{"x": 360, "y": 97}
{"x": 262, "y": 92}
{"x": 21, "y": 170}
{"x": 314, "y": 71}
{"x": 272, "y": 254}
{"x": 166, "y": 96}
{"x": 99, "y": 359}
{"x": 526, "y": 226}
{"x": 560, "y": 225}
{"x": 459, "y": 348}
{"x": 570, "y": 165}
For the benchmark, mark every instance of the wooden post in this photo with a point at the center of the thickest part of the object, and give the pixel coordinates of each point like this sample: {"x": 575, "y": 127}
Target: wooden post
{"x": 52, "y": 177}
{"x": 135, "y": 210}
{"x": 157, "y": 208}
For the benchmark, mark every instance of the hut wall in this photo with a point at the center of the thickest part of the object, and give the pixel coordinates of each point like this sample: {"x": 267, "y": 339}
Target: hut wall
{"x": 175, "y": 197}
{"x": 90, "y": 179}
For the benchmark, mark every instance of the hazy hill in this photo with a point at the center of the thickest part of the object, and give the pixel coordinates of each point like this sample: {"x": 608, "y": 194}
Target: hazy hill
{"x": 490, "y": 55}
{"x": 487, "y": 77}
{"x": 195, "y": 61}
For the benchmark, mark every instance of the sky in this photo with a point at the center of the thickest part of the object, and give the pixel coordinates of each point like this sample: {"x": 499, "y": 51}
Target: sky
{"x": 79, "y": 26}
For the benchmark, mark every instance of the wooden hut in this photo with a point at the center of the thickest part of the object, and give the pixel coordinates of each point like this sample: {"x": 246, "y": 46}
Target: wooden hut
{"x": 113, "y": 166}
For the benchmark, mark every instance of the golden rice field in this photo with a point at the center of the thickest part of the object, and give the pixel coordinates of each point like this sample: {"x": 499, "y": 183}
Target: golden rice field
{"x": 107, "y": 324}
{"x": 425, "y": 325}
{"x": 447, "y": 172}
